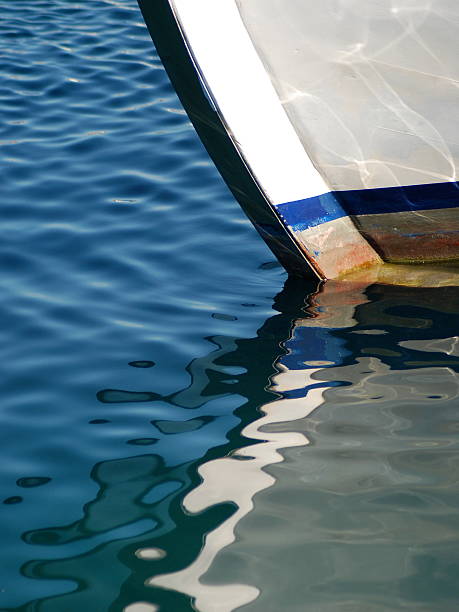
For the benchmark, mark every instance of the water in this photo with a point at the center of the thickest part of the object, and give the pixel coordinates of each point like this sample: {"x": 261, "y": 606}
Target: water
{"x": 181, "y": 425}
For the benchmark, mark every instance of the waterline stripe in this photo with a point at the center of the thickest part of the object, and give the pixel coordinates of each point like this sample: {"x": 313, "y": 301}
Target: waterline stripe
{"x": 310, "y": 212}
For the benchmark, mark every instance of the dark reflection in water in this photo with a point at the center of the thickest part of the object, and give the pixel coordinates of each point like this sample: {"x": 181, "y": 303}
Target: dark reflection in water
{"x": 138, "y": 506}
{"x": 333, "y": 485}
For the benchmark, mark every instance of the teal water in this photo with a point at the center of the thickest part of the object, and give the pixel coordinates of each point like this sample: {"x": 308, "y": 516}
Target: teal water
{"x": 183, "y": 428}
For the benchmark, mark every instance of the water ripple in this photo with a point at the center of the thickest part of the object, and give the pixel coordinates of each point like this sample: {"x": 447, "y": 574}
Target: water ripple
{"x": 122, "y": 250}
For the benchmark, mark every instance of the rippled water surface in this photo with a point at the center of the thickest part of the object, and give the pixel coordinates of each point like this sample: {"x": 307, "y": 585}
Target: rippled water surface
{"x": 181, "y": 427}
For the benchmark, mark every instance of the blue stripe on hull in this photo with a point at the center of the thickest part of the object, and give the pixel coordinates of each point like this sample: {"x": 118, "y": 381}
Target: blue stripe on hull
{"x": 303, "y": 214}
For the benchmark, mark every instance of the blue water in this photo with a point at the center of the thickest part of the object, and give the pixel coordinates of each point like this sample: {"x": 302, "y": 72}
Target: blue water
{"x": 146, "y": 331}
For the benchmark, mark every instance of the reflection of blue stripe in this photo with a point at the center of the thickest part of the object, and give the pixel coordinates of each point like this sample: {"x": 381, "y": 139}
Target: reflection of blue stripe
{"x": 333, "y": 205}
{"x": 316, "y": 343}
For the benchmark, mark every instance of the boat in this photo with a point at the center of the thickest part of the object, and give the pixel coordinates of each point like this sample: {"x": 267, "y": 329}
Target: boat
{"x": 334, "y": 124}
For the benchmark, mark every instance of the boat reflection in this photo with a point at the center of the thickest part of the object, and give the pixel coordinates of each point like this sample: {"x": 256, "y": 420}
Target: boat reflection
{"x": 192, "y": 525}
{"x": 329, "y": 344}
{"x": 238, "y": 477}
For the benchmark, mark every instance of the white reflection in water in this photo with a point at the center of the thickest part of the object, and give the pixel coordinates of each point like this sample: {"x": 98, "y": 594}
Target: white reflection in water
{"x": 357, "y": 511}
{"x": 150, "y": 554}
{"x": 237, "y": 479}
{"x": 449, "y": 346}
{"x": 141, "y": 606}
{"x": 240, "y": 477}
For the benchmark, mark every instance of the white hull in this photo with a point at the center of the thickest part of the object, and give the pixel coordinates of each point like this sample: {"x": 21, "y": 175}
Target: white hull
{"x": 346, "y": 115}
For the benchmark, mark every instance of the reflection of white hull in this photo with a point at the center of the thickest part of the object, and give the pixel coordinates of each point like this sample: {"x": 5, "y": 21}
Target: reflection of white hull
{"x": 309, "y": 520}
{"x": 238, "y": 479}
{"x": 345, "y": 113}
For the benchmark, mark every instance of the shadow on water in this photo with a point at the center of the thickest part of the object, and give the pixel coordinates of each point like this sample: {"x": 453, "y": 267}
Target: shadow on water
{"x": 334, "y": 487}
